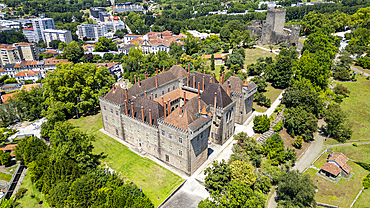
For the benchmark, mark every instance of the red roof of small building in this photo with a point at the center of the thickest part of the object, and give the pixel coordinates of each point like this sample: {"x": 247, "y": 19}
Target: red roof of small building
{"x": 53, "y": 61}
{"x": 331, "y": 168}
{"x": 29, "y": 73}
{"x": 28, "y": 28}
{"x": 108, "y": 65}
{"x": 50, "y": 52}
{"x": 25, "y": 44}
{"x": 5, "y": 97}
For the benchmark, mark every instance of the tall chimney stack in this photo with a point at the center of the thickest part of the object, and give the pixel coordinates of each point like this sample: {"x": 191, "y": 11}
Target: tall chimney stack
{"x": 204, "y": 71}
{"x": 198, "y": 69}
{"x": 194, "y": 81}
{"x": 199, "y": 104}
{"x": 184, "y": 97}
{"x": 169, "y": 106}
{"x": 145, "y": 93}
{"x": 163, "y": 69}
{"x": 214, "y": 105}
{"x": 234, "y": 74}
{"x": 223, "y": 77}
{"x": 132, "y": 110}
{"x": 135, "y": 78}
{"x": 150, "y": 117}
{"x": 146, "y": 75}
{"x": 198, "y": 88}
{"x": 142, "y": 113}
{"x": 210, "y": 79}
{"x": 187, "y": 79}
{"x": 214, "y": 75}
{"x": 203, "y": 84}
{"x": 139, "y": 81}
{"x": 228, "y": 89}
{"x": 181, "y": 111}
{"x": 126, "y": 110}
{"x": 165, "y": 109}
{"x": 156, "y": 71}
{"x": 151, "y": 96}
{"x": 126, "y": 95}
{"x": 156, "y": 81}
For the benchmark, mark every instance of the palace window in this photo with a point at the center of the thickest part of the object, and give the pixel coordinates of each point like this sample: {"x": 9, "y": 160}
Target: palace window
{"x": 173, "y": 88}
{"x": 170, "y": 148}
{"x": 106, "y": 118}
{"x": 180, "y": 152}
{"x": 105, "y": 108}
{"x": 111, "y": 110}
{"x": 163, "y": 145}
{"x": 163, "y": 133}
{"x": 117, "y": 132}
{"x": 169, "y": 135}
{"x": 167, "y": 158}
{"x": 168, "y": 89}
{"x": 117, "y": 113}
{"x": 180, "y": 139}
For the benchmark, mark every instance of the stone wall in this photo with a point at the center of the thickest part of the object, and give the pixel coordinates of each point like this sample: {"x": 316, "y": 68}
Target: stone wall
{"x": 111, "y": 115}
{"x": 223, "y": 122}
{"x": 198, "y": 150}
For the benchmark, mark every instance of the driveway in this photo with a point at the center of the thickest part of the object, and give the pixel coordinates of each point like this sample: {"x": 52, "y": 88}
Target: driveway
{"x": 359, "y": 71}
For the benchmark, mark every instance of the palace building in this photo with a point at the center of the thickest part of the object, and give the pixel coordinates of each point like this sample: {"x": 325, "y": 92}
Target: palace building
{"x": 174, "y": 114}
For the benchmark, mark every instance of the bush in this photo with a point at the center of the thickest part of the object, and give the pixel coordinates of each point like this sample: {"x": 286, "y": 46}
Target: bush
{"x": 297, "y": 143}
{"x": 10, "y": 81}
{"x": 28, "y": 82}
{"x": 278, "y": 126}
{"x": 366, "y": 181}
{"x": 355, "y": 144}
{"x": 20, "y": 193}
{"x": 267, "y": 103}
{"x": 261, "y": 123}
{"x": 32, "y": 196}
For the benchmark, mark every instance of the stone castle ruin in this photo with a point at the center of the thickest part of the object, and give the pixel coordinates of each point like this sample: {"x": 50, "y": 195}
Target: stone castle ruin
{"x": 273, "y": 29}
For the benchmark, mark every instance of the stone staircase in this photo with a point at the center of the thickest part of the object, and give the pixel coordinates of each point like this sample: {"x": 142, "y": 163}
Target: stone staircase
{"x": 270, "y": 132}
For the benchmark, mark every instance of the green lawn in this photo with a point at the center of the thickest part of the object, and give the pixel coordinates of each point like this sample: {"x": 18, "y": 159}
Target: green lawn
{"x": 341, "y": 194}
{"x": 271, "y": 93}
{"x": 321, "y": 160}
{"x": 156, "y": 181}
{"x": 251, "y": 55}
{"x": 363, "y": 200}
{"x": 5, "y": 177}
{"x": 360, "y": 153}
{"x": 357, "y": 106}
{"x": 27, "y": 200}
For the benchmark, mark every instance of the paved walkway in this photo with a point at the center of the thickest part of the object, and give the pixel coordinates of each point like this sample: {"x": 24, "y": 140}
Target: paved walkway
{"x": 346, "y": 144}
{"x": 267, "y": 49}
{"x": 359, "y": 71}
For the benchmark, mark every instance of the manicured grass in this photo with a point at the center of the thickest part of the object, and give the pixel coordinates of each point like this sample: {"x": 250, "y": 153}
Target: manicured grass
{"x": 5, "y": 177}
{"x": 271, "y": 93}
{"x": 26, "y": 200}
{"x": 356, "y": 108}
{"x": 156, "y": 181}
{"x": 341, "y": 194}
{"x": 363, "y": 200}
{"x": 322, "y": 160}
{"x": 251, "y": 55}
{"x": 360, "y": 153}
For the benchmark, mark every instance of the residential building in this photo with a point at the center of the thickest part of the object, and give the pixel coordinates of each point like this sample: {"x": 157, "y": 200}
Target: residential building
{"x": 219, "y": 58}
{"x": 41, "y": 24}
{"x": 29, "y": 33}
{"x": 113, "y": 25}
{"x": 62, "y": 35}
{"x": 51, "y": 63}
{"x": 336, "y": 165}
{"x": 173, "y": 115}
{"x": 89, "y": 47}
{"x": 28, "y": 75}
{"x": 91, "y": 31}
{"x": 27, "y": 51}
{"x": 10, "y": 87}
{"x": 127, "y": 38}
{"x": 94, "y": 11}
{"x": 8, "y": 54}
{"x": 125, "y": 48}
{"x": 123, "y": 7}
{"x": 103, "y": 16}
{"x": 112, "y": 67}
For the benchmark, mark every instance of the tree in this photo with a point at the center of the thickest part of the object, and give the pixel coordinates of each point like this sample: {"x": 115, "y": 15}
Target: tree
{"x": 212, "y": 63}
{"x": 73, "y": 52}
{"x": 104, "y": 45}
{"x": 176, "y": 50}
{"x": 29, "y": 148}
{"x": 108, "y": 56}
{"x": 10, "y": 81}
{"x": 41, "y": 44}
{"x": 260, "y": 82}
{"x": 336, "y": 123}
{"x": 310, "y": 101}
{"x": 243, "y": 172}
{"x": 5, "y": 158}
{"x": 296, "y": 190}
{"x": 261, "y": 123}
{"x": 299, "y": 122}
{"x": 54, "y": 44}
{"x": 282, "y": 69}
{"x": 218, "y": 176}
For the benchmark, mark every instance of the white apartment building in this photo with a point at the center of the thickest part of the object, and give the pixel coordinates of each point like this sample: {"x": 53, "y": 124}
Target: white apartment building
{"x": 8, "y": 54}
{"x": 62, "y": 35}
{"x": 28, "y": 75}
{"x": 27, "y": 51}
{"x": 91, "y": 31}
{"x": 113, "y": 25}
{"x": 41, "y": 24}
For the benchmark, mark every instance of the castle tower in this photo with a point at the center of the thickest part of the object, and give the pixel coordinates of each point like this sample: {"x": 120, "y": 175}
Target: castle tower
{"x": 276, "y": 18}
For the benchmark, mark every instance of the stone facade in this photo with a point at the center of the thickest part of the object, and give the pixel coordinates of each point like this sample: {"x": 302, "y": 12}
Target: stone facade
{"x": 273, "y": 29}
{"x": 174, "y": 114}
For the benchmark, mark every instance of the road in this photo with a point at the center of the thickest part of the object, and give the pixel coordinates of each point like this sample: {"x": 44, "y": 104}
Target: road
{"x": 360, "y": 72}
{"x": 308, "y": 157}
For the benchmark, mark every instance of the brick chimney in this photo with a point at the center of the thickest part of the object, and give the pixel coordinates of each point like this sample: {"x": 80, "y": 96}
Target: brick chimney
{"x": 162, "y": 101}
{"x": 139, "y": 81}
{"x": 126, "y": 95}
{"x": 150, "y": 117}
{"x": 203, "y": 84}
{"x": 132, "y": 110}
{"x": 156, "y": 71}
{"x": 204, "y": 71}
{"x": 135, "y": 78}
{"x": 234, "y": 74}
{"x": 223, "y": 77}
{"x": 187, "y": 79}
{"x": 165, "y": 109}
{"x": 163, "y": 69}
{"x": 169, "y": 106}
{"x": 198, "y": 70}
{"x": 214, "y": 104}
{"x": 126, "y": 110}
{"x": 145, "y": 94}
{"x": 142, "y": 113}
{"x": 181, "y": 112}
{"x": 151, "y": 96}
{"x": 214, "y": 75}
{"x": 228, "y": 89}
{"x": 146, "y": 75}
{"x": 156, "y": 81}
{"x": 211, "y": 80}
{"x": 198, "y": 88}
{"x": 199, "y": 104}
{"x": 184, "y": 97}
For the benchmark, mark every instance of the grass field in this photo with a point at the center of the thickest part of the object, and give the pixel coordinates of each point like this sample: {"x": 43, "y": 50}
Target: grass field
{"x": 357, "y": 106}
{"x": 5, "y": 177}
{"x": 27, "y": 200}
{"x": 341, "y": 194}
{"x": 271, "y": 93}
{"x": 156, "y": 181}
{"x": 251, "y": 55}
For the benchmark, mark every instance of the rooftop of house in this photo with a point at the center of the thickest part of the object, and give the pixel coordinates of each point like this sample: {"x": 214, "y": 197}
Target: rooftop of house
{"x": 216, "y": 56}
{"x": 28, "y": 87}
{"x": 53, "y": 61}
{"x": 50, "y": 52}
{"x": 108, "y": 65}
{"x": 26, "y": 44}
{"x": 5, "y": 97}
{"x": 27, "y": 73}
{"x": 331, "y": 168}
{"x": 339, "y": 158}
{"x": 126, "y": 46}
{"x": 176, "y": 94}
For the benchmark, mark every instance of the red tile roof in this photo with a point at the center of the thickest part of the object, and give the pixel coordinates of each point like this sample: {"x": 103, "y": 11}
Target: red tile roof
{"x": 10, "y": 147}
{"x": 28, "y": 87}
{"x": 216, "y": 56}
{"x": 5, "y": 97}
{"x": 28, "y": 28}
{"x": 339, "y": 158}
{"x": 53, "y": 61}
{"x": 108, "y": 65}
{"x": 346, "y": 168}
{"x": 331, "y": 168}
{"x": 29, "y": 73}
{"x": 50, "y": 52}
{"x": 24, "y": 44}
